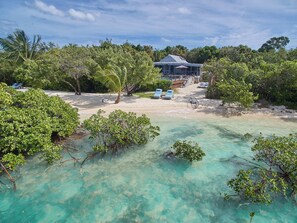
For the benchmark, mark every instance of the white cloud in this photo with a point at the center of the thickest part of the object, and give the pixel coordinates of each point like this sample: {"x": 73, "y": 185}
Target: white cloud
{"x": 51, "y": 9}
{"x": 165, "y": 40}
{"x": 81, "y": 15}
{"x": 254, "y": 38}
{"x": 183, "y": 10}
{"x": 159, "y": 22}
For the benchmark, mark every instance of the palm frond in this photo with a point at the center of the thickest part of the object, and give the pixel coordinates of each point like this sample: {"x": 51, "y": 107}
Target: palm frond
{"x": 110, "y": 79}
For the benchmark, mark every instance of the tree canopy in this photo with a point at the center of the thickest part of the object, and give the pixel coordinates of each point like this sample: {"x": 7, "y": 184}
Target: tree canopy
{"x": 267, "y": 74}
{"x": 275, "y": 43}
{"x": 19, "y": 47}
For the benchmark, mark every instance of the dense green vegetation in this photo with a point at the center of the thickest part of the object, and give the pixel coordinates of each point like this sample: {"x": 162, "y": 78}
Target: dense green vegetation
{"x": 76, "y": 68}
{"x": 236, "y": 73}
{"x": 188, "y": 150}
{"x": 264, "y": 75}
{"x": 30, "y": 122}
{"x": 274, "y": 174}
{"x": 119, "y": 130}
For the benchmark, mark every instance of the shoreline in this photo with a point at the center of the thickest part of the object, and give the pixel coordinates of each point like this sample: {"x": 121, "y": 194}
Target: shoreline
{"x": 89, "y": 103}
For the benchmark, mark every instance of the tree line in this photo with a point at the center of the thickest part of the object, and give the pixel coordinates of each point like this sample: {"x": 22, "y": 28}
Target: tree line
{"x": 76, "y": 68}
{"x": 235, "y": 73}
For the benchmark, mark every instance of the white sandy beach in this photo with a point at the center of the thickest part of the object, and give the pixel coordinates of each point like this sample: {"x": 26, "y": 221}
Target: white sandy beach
{"x": 89, "y": 103}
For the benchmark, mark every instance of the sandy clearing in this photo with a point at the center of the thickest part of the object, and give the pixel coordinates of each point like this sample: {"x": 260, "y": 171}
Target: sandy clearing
{"x": 89, "y": 103}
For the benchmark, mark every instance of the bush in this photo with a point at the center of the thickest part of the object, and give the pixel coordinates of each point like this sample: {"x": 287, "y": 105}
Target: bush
{"x": 119, "y": 130}
{"x": 161, "y": 83}
{"x": 188, "y": 150}
{"x": 213, "y": 92}
{"x": 30, "y": 122}
{"x": 237, "y": 92}
{"x": 12, "y": 161}
{"x": 275, "y": 173}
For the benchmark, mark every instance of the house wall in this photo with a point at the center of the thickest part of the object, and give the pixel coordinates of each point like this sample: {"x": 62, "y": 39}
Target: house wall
{"x": 172, "y": 70}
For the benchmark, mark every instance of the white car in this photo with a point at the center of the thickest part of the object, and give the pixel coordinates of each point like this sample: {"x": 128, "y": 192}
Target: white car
{"x": 203, "y": 84}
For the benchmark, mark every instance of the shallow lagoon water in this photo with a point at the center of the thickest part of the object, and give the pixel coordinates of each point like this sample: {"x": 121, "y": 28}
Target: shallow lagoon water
{"x": 139, "y": 185}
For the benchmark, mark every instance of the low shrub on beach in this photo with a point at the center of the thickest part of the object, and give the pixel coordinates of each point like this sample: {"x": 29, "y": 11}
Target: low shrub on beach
{"x": 162, "y": 84}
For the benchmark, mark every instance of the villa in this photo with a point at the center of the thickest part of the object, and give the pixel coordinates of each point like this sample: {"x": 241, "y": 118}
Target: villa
{"x": 177, "y": 65}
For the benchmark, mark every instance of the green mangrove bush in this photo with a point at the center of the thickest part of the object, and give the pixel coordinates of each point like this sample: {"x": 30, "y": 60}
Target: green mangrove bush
{"x": 275, "y": 173}
{"x": 188, "y": 150}
{"x": 119, "y": 130}
{"x": 30, "y": 122}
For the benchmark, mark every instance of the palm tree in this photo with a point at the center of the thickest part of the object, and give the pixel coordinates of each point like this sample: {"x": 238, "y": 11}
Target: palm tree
{"x": 114, "y": 78}
{"x": 19, "y": 47}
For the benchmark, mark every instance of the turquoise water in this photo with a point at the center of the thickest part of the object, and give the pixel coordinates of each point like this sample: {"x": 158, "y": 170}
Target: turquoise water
{"x": 139, "y": 185}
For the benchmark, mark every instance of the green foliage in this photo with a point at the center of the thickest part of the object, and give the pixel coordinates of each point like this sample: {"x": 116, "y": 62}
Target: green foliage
{"x": 6, "y": 68}
{"x": 234, "y": 91}
{"x": 236, "y": 54}
{"x": 11, "y": 160}
{"x": 29, "y": 73}
{"x": 133, "y": 68}
{"x": 51, "y": 153}
{"x": 203, "y": 54}
{"x": 119, "y": 130}
{"x": 271, "y": 71}
{"x": 75, "y": 62}
{"x": 267, "y": 75}
{"x": 19, "y": 47}
{"x": 257, "y": 188}
{"x": 144, "y": 94}
{"x": 160, "y": 83}
{"x": 114, "y": 78}
{"x": 280, "y": 84}
{"x": 188, "y": 150}
{"x": 42, "y": 72}
{"x": 6, "y": 95}
{"x": 31, "y": 121}
{"x": 276, "y": 173}
{"x": 227, "y": 82}
{"x": 274, "y": 43}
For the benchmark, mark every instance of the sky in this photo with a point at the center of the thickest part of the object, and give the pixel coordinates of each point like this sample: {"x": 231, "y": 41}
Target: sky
{"x": 160, "y": 23}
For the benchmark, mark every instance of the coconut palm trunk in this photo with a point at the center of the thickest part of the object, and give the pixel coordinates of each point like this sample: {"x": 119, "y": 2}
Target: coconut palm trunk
{"x": 118, "y": 99}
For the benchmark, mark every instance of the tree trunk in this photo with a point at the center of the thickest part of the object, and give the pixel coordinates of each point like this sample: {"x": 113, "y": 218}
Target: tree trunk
{"x": 118, "y": 98}
{"x": 76, "y": 93}
{"x": 78, "y": 86}
{"x": 127, "y": 89}
{"x": 9, "y": 176}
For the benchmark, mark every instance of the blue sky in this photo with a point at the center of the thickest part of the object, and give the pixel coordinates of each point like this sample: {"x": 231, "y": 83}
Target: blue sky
{"x": 160, "y": 23}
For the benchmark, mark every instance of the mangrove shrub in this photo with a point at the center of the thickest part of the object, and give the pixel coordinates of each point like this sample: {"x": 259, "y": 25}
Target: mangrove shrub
{"x": 275, "y": 173}
{"x": 30, "y": 122}
{"x": 188, "y": 150}
{"x": 119, "y": 130}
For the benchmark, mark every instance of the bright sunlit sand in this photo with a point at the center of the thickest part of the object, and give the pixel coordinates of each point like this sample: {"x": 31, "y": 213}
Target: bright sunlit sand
{"x": 179, "y": 106}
